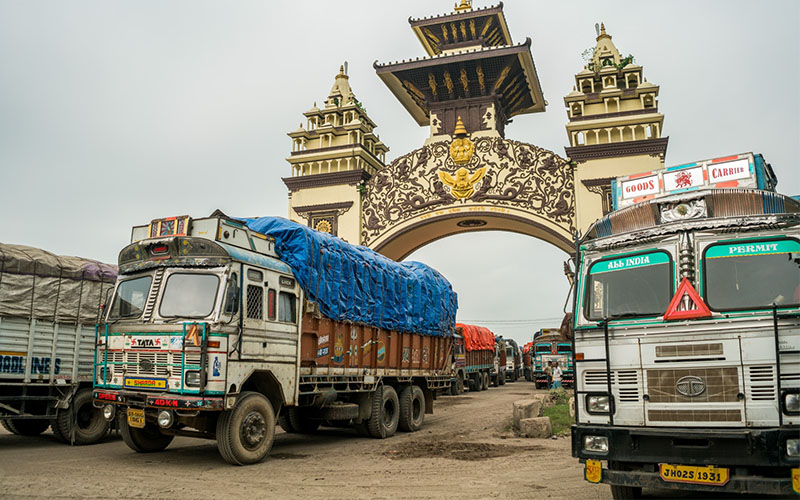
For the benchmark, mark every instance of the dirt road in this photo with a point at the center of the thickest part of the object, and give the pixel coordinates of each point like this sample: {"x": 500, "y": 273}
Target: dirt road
{"x": 463, "y": 451}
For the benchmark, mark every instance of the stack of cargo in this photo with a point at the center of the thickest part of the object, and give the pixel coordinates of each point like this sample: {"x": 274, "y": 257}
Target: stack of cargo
{"x": 480, "y": 353}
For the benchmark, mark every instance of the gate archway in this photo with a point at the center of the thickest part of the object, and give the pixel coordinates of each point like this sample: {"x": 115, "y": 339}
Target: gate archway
{"x": 503, "y": 185}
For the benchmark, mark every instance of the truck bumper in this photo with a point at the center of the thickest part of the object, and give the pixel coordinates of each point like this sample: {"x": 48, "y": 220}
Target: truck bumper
{"x": 160, "y": 400}
{"x": 756, "y": 458}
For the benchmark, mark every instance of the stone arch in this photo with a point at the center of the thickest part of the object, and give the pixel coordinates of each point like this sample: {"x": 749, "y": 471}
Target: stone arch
{"x": 504, "y": 186}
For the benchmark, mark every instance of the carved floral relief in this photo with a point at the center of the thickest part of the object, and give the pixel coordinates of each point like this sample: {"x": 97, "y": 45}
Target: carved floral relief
{"x": 513, "y": 174}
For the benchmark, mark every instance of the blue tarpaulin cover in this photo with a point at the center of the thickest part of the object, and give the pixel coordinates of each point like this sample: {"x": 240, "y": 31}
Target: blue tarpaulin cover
{"x": 353, "y": 283}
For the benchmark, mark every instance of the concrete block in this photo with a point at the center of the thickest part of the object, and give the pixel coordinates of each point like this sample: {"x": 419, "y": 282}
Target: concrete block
{"x": 538, "y": 427}
{"x": 526, "y": 408}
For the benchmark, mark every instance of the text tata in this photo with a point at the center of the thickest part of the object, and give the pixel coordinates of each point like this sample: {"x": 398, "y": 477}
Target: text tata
{"x": 759, "y": 248}
{"x": 631, "y": 261}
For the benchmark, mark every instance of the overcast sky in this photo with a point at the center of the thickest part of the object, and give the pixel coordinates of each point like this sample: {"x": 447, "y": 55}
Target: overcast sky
{"x": 116, "y": 113}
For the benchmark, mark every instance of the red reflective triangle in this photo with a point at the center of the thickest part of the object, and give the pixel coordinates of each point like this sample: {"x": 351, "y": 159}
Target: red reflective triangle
{"x": 686, "y": 304}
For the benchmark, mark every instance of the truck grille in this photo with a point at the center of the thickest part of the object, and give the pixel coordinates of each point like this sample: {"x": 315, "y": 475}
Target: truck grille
{"x": 761, "y": 383}
{"x": 150, "y": 363}
{"x": 720, "y": 385}
{"x": 694, "y": 415}
{"x": 626, "y": 382}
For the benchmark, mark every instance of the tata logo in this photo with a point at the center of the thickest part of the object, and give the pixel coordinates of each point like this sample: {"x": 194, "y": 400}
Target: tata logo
{"x": 690, "y": 386}
{"x": 146, "y": 343}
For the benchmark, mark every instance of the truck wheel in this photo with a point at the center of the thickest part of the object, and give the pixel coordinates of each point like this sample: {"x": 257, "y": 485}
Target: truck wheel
{"x": 385, "y": 413}
{"x": 90, "y": 426}
{"x": 146, "y": 440}
{"x": 412, "y": 409}
{"x": 301, "y": 423}
{"x": 502, "y": 379}
{"x": 460, "y": 384}
{"x": 474, "y": 382}
{"x": 285, "y": 423}
{"x": 246, "y": 432}
{"x": 625, "y": 492}
{"x": 495, "y": 381}
{"x": 485, "y": 381}
{"x": 25, "y": 427}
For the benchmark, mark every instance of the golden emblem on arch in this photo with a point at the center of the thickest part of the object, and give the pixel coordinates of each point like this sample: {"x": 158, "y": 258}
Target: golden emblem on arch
{"x": 463, "y": 184}
{"x": 461, "y": 148}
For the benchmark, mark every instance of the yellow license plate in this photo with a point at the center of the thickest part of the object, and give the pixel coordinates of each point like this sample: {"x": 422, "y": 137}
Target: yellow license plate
{"x": 593, "y": 472}
{"x": 136, "y": 418}
{"x": 145, "y": 383}
{"x": 714, "y": 476}
{"x": 796, "y": 480}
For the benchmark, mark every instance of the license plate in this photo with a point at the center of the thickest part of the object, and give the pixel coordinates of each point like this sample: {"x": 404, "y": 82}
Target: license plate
{"x": 593, "y": 472}
{"x": 714, "y": 476}
{"x": 136, "y": 418}
{"x": 145, "y": 383}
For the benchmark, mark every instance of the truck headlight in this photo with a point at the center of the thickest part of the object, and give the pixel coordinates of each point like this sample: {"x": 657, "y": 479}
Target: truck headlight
{"x": 165, "y": 418}
{"x": 598, "y": 404}
{"x": 192, "y": 379}
{"x": 108, "y": 412}
{"x": 595, "y": 444}
{"x": 791, "y": 402}
{"x": 103, "y": 377}
{"x": 793, "y": 447}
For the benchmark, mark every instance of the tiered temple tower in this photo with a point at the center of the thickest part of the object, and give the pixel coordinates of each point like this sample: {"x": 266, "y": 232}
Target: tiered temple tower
{"x": 333, "y": 153}
{"x": 472, "y": 71}
{"x": 614, "y": 127}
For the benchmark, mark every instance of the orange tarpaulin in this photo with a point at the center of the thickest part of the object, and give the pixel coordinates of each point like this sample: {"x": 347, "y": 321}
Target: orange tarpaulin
{"x": 476, "y": 338}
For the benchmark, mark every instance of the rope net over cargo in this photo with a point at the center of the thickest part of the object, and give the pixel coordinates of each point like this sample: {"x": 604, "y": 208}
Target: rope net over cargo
{"x": 353, "y": 283}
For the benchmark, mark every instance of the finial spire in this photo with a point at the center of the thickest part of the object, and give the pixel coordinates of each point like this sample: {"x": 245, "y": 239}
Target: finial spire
{"x": 603, "y": 33}
{"x": 465, "y": 5}
{"x": 460, "y": 130}
{"x": 341, "y": 69}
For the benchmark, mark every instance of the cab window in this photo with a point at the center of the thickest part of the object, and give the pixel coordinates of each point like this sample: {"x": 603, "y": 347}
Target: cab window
{"x": 287, "y": 307}
{"x": 752, "y": 275}
{"x": 629, "y": 286}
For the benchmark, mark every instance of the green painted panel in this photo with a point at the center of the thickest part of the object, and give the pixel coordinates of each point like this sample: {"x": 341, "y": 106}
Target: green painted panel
{"x": 753, "y": 248}
{"x": 641, "y": 260}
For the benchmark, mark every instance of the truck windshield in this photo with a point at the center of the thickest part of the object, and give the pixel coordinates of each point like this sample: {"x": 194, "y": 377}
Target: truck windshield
{"x": 130, "y": 298}
{"x": 543, "y": 348}
{"x": 189, "y": 295}
{"x": 636, "y": 285}
{"x": 752, "y": 275}
{"x": 564, "y": 348}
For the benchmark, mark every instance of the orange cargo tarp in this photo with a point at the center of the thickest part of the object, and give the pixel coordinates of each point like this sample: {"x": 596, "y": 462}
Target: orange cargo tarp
{"x": 477, "y": 338}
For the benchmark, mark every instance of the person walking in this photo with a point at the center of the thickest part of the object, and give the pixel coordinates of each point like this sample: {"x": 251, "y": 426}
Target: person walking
{"x": 557, "y": 375}
{"x": 548, "y": 372}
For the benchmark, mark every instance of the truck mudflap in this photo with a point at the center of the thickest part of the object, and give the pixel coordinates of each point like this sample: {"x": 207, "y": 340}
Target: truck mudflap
{"x": 166, "y": 400}
{"x": 747, "y": 460}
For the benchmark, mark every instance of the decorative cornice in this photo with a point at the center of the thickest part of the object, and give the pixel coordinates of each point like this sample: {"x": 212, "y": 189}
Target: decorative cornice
{"x": 652, "y": 147}
{"x": 324, "y": 207}
{"x": 353, "y": 147}
{"x": 349, "y": 177}
{"x": 600, "y": 181}
{"x": 601, "y": 116}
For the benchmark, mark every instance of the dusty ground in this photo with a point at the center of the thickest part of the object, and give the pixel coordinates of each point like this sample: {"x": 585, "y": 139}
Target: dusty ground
{"x": 464, "y": 451}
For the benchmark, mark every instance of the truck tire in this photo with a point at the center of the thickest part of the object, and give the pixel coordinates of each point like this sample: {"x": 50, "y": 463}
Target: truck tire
{"x": 412, "y": 409}
{"x": 502, "y": 379}
{"x": 146, "y": 440}
{"x": 496, "y": 380}
{"x": 385, "y": 415}
{"x": 475, "y": 382}
{"x": 285, "y": 423}
{"x": 26, "y": 427}
{"x": 460, "y": 384}
{"x": 485, "y": 385}
{"x": 625, "y": 492}
{"x": 300, "y": 421}
{"x": 90, "y": 425}
{"x": 246, "y": 432}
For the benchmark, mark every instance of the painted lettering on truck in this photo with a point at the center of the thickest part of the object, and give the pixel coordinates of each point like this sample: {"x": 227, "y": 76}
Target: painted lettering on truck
{"x": 15, "y": 363}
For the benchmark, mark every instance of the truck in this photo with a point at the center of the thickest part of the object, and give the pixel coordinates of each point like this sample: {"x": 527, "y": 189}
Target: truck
{"x": 459, "y": 366}
{"x": 686, "y": 339}
{"x": 479, "y": 355}
{"x": 50, "y": 306}
{"x": 499, "y": 367}
{"x": 221, "y": 328}
{"x": 513, "y": 361}
{"x": 549, "y": 345}
{"x": 527, "y": 363}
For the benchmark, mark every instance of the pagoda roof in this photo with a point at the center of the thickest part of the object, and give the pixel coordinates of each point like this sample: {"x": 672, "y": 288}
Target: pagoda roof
{"x": 483, "y": 26}
{"x": 505, "y": 72}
